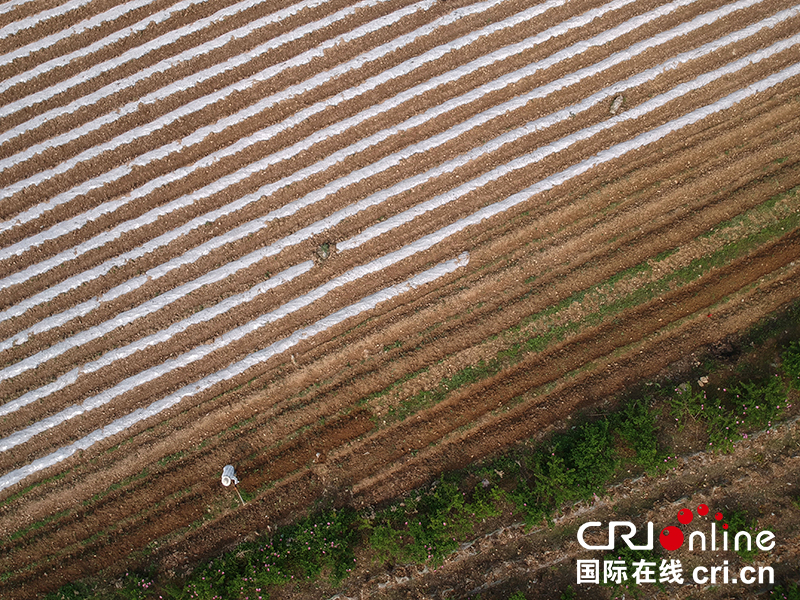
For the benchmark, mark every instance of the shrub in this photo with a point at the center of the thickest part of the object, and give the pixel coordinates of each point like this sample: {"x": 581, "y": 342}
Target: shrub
{"x": 737, "y": 521}
{"x": 791, "y": 364}
{"x": 593, "y": 456}
{"x": 761, "y": 402}
{"x": 636, "y": 424}
{"x": 790, "y": 592}
{"x": 574, "y": 467}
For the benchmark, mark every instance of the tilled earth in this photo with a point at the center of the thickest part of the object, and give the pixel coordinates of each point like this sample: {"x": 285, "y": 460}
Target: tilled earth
{"x": 161, "y": 159}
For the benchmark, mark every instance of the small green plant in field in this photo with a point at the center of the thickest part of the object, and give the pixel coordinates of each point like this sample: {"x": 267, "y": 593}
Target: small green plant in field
{"x": 636, "y": 424}
{"x": 569, "y": 593}
{"x": 645, "y": 562}
{"x": 551, "y": 483}
{"x": 737, "y": 521}
{"x": 517, "y": 596}
{"x": 593, "y": 456}
{"x": 71, "y": 591}
{"x": 385, "y": 540}
{"x": 578, "y": 463}
{"x": 172, "y": 457}
{"x": 685, "y": 403}
{"x": 135, "y": 587}
{"x": 791, "y": 364}
{"x": 761, "y": 402}
{"x": 722, "y": 427}
{"x": 789, "y": 592}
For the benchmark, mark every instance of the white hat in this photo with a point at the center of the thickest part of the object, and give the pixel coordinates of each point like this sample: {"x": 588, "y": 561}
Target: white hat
{"x": 229, "y": 475}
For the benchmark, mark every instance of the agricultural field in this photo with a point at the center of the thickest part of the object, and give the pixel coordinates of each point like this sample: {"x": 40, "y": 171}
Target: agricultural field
{"x": 347, "y": 246}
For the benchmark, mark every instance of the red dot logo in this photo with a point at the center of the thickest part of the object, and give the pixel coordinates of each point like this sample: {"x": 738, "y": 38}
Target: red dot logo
{"x": 718, "y": 516}
{"x": 725, "y": 526}
{"x": 685, "y": 516}
{"x": 702, "y": 510}
{"x": 671, "y": 538}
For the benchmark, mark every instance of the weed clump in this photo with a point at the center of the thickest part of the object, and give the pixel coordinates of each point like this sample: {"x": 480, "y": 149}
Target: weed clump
{"x": 643, "y": 565}
{"x": 733, "y": 413}
{"x": 791, "y": 364}
{"x": 790, "y": 592}
{"x": 426, "y": 527}
{"x": 738, "y": 521}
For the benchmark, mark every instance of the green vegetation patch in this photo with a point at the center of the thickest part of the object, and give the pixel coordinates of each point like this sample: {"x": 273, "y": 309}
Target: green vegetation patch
{"x": 426, "y": 527}
{"x": 791, "y": 364}
{"x": 644, "y": 562}
{"x": 321, "y": 543}
{"x": 730, "y": 414}
{"x": 740, "y": 520}
{"x": 789, "y": 592}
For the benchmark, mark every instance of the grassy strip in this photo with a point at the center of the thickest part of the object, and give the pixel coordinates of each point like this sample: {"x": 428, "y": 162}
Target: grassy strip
{"x": 27, "y": 490}
{"x": 37, "y": 525}
{"x": 537, "y": 343}
{"x": 427, "y": 526}
{"x": 609, "y": 307}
